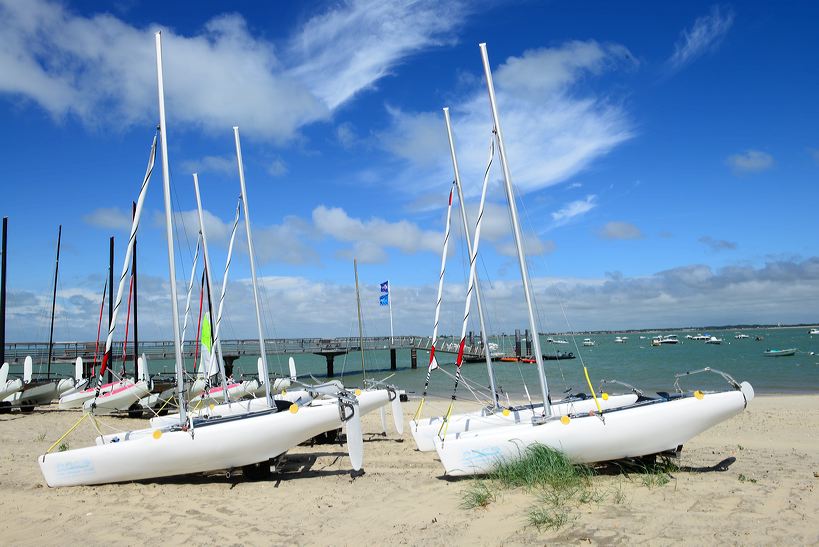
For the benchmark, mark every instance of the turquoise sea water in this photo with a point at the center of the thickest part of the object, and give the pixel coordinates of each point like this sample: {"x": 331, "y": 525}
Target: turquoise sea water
{"x": 635, "y": 362}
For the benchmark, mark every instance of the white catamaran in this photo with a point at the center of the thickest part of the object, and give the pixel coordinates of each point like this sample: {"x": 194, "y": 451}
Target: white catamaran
{"x": 198, "y": 445}
{"x": 648, "y": 425}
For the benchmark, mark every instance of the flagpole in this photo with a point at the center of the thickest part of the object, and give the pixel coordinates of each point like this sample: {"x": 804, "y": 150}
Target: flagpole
{"x": 389, "y": 302}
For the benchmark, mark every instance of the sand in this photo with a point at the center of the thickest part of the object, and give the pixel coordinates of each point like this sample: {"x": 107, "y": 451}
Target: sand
{"x": 767, "y": 495}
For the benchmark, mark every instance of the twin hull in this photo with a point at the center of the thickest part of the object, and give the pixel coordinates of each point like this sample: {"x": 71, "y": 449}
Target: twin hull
{"x": 636, "y": 430}
{"x": 426, "y": 431}
{"x": 220, "y": 444}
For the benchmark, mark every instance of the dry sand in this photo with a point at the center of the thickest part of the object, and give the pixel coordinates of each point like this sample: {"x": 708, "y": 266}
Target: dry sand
{"x": 768, "y": 495}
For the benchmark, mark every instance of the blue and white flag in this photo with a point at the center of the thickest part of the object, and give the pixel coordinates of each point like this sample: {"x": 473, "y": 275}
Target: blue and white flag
{"x": 384, "y": 299}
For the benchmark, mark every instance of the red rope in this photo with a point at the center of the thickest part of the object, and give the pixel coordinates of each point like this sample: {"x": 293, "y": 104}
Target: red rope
{"x": 99, "y": 327}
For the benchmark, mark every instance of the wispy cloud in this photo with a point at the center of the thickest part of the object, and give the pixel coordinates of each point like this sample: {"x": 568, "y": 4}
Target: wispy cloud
{"x": 750, "y": 161}
{"x": 704, "y": 36}
{"x": 551, "y": 130}
{"x": 225, "y": 165}
{"x": 574, "y": 209}
{"x": 620, "y": 230}
{"x": 100, "y": 69}
{"x": 277, "y": 168}
{"x": 717, "y": 245}
{"x": 109, "y": 218}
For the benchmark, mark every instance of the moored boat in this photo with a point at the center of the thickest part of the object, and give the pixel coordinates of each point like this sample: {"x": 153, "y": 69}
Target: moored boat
{"x": 779, "y": 352}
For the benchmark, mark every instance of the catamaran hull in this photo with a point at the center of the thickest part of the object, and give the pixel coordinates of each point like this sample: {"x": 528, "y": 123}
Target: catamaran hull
{"x": 645, "y": 428}
{"x": 222, "y": 444}
{"x": 119, "y": 399}
{"x": 426, "y": 431}
{"x": 33, "y": 396}
{"x": 10, "y": 388}
{"x": 78, "y": 398}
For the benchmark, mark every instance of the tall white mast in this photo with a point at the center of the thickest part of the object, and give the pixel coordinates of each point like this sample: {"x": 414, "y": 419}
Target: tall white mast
{"x": 484, "y": 336}
{"x": 253, "y": 269}
{"x": 513, "y": 212}
{"x": 215, "y": 351}
{"x": 166, "y": 180}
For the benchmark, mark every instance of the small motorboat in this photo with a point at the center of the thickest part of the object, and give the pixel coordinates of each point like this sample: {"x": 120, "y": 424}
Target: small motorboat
{"x": 714, "y": 340}
{"x": 780, "y": 352}
{"x": 588, "y": 342}
{"x": 813, "y": 331}
{"x": 558, "y": 355}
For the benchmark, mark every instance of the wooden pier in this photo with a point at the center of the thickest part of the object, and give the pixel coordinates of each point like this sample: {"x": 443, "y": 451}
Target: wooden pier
{"x": 329, "y": 348}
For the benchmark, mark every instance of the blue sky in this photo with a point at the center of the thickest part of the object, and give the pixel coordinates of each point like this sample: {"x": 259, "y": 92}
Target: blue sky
{"x": 665, "y": 156}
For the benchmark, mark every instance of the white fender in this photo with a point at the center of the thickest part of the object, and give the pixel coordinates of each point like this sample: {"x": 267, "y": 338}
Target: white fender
{"x": 78, "y": 370}
{"x": 28, "y": 367}
{"x": 4, "y": 374}
{"x": 355, "y": 440}
{"x": 292, "y": 364}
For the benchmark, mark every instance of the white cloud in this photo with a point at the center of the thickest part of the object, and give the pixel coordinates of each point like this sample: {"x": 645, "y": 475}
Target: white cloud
{"x": 345, "y": 134}
{"x": 277, "y": 168}
{"x": 620, "y": 230}
{"x": 574, "y": 209}
{"x": 347, "y": 49}
{"x": 550, "y": 132}
{"x": 750, "y": 161}
{"x": 371, "y": 236}
{"x": 101, "y": 70}
{"x": 225, "y": 165}
{"x": 779, "y": 291}
{"x": 109, "y": 218}
{"x": 704, "y": 36}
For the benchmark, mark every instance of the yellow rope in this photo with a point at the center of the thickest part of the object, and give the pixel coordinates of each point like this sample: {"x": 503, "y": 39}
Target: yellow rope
{"x": 594, "y": 396}
{"x": 418, "y": 412}
{"x": 67, "y": 433}
{"x": 445, "y": 426}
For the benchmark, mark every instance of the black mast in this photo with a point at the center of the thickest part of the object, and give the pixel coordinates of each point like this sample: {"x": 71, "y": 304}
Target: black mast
{"x": 3, "y": 294}
{"x": 134, "y": 277}
{"x": 53, "y": 299}
{"x": 110, "y": 295}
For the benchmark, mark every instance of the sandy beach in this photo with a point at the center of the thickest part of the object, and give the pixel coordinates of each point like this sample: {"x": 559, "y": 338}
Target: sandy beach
{"x": 766, "y": 494}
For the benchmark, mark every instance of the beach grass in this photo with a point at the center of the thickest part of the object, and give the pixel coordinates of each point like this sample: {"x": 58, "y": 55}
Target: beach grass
{"x": 478, "y": 494}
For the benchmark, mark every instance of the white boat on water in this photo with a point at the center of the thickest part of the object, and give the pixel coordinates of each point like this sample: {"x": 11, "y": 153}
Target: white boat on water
{"x": 700, "y": 337}
{"x": 669, "y": 339}
{"x": 714, "y": 340}
{"x": 740, "y": 336}
{"x": 648, "y": 426}
{"x": 588, "y": 342}
{"x": 813, "y": 331}
{"x": 619, "y": 340}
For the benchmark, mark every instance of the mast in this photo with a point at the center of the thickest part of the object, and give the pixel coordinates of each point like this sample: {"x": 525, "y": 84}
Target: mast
{"x": 3, "y": 292}
{"x": 360, "y": 328}
{"x": 513, "y": 212}
{"x": 465, "y": 223}
{"x": 111, "y": 293}
{"x": 214, "y": 332}
{"x": 253, "y": 268}
{"x": 134, "y": 281}
{"x": 53, "y": 296}
{"x": 166, "y": 180}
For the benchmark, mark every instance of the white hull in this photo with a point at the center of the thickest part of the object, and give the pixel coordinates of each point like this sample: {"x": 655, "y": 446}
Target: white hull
{"x": 637, "y": 430}
{"x": 119, "y": 399}
{"x": 10, "y": 387}
{"x": 213, "y": 445}
{"x": 77, "y": 398}
{"x": 426, "y": 431}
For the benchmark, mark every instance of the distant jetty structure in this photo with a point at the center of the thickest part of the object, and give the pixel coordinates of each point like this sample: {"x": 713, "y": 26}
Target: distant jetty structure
{"x": 329, "y": 348}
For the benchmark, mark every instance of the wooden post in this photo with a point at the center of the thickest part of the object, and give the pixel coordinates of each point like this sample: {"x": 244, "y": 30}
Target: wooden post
{"x": 414, "y": 358}
{"x": 330, "y": 358}
{"x": 393, "y": 360}
{"x": 528, "y": 343}
{"x": 517, "y": 343}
